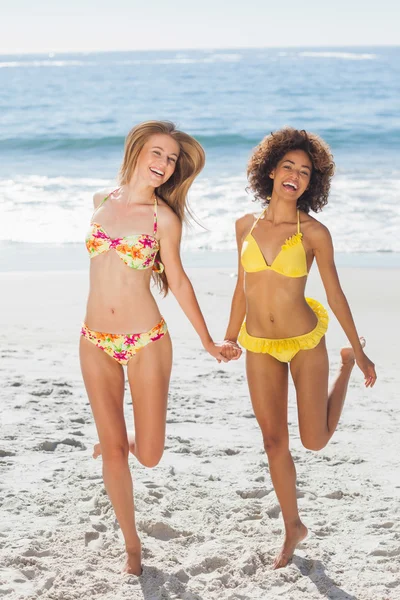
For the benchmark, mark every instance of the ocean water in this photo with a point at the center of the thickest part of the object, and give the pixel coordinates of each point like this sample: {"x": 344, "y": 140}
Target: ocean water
{"x": 64, "y": 118}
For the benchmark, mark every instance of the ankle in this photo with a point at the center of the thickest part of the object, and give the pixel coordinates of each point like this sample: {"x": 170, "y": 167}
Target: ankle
{"x": 293, "y": 525}
{"x": 133, "y": 546}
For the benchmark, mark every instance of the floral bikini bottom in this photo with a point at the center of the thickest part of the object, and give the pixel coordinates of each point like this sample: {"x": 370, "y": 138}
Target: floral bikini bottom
{"x": 122, "y": 346}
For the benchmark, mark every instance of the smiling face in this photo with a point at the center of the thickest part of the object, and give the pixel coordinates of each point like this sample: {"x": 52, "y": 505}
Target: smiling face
{"x": 157, "y": 159}
{"x": 292, "y": 174}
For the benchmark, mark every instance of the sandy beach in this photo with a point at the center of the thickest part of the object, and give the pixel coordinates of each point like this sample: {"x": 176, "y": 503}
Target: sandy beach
{"x": 208, "y": 518}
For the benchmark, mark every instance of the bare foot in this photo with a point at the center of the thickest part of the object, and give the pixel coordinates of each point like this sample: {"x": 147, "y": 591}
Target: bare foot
{"x": 347, "y": 353}
{"x": 131, "y": 440}
{"x": 96, "y": 450}
{"x": 294, "y": 535}
{"x": 133, "y": 561}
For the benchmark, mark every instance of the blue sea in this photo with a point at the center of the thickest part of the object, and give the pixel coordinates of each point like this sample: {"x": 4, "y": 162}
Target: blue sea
{"x": 64, "y": 117}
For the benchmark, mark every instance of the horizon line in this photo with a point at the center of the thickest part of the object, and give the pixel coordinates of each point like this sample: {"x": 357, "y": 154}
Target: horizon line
{"x": 10, "y": 52}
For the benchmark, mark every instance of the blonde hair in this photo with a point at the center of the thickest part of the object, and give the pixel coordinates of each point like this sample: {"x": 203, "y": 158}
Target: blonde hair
{"x": 174, "y": 192}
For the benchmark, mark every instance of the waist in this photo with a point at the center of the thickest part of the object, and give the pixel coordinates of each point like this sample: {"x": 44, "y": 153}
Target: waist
{"x": 121, "y": 308}
{"x": 281, "y": 320}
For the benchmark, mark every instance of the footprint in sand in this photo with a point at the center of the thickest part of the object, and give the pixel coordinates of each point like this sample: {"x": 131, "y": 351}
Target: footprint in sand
{"x": 254, "y": 493}
{"x": 386, "y": 553}
{"x": 274, "y": 511}
{"x": 63, "y": 392}
{"x": 336, "y": 495}
{"x": 386, "y": 525}
{"x": 231, "y": 451}
{"x": 92, "y": 539}
{"x": 48, "y": 446}
{"x": 36, "y": 552}
{"x": 156, "y": 494}
{"x": 208, "y": 565}
{"x": 151, "y": 485}
{"x": 4, "y": 453}
{"x": 182, "y": 576}
{"x": 323, "y": 531}
{"x": 100, "y": 527}
{"x": 162, "y": 531}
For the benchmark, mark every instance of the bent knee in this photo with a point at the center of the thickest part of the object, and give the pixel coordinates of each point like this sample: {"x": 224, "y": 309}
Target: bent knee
{"x": 149, "y": 458}
{"x": 313, "y": 443}
{"x": 275, "y": 445}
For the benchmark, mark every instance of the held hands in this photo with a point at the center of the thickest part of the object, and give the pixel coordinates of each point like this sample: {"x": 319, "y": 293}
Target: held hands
{"x": 231, "y": 350}
{"x": 225, "y": 351}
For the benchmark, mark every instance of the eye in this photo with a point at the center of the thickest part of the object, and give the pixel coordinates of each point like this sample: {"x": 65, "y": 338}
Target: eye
{"x": 286, "y": 166}
{"x": 306, "y": 173}
{"x": 173, "y": 160}
{"x": 157, "y": 152}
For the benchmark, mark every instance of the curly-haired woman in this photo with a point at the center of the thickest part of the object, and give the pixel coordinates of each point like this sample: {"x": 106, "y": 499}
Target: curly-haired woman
{"x": 290, "y": 173}
{"x": 135, "y": 232}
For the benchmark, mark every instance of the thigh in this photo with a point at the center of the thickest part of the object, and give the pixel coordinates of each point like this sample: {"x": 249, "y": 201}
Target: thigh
{"x": 149, "y": 374}
{"x": 104, "y": 382}
{"x": 268, "y": 385}
{"x": 310, "y": 372}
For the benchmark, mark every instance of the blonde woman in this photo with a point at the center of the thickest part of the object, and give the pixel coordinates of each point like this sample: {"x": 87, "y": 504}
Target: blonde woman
{"x": 136, "y": 232}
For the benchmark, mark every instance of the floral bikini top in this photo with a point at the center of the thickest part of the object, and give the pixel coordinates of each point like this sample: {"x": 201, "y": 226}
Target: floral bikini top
{"x": 291, "y": 261}
{"x": 138, "y": 250}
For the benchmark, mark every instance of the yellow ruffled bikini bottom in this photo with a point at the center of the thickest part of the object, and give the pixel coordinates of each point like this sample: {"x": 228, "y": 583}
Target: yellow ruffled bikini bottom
{"x": 285, "y": 349}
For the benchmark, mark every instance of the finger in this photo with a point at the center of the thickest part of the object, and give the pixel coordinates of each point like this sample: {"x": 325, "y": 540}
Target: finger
{"x": 223, "y": 358}
{"x": 369, "y": 382}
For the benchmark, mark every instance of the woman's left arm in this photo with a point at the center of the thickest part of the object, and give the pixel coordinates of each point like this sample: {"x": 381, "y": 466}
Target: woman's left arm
{"x": 324, "y": 255}
{"x": 181, "y": 287}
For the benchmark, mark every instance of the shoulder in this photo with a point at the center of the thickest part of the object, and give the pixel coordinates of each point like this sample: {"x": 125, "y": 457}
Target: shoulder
{"x": 99, "y": 196}
{"x": 167, "y": 219}
{"x": 244, "y": 224}
{"x": 315, "y": 231}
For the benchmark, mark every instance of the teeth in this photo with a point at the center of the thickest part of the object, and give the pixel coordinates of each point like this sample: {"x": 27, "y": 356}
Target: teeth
{"x": 156, "y": 171}
{"x": 291, "y": 184}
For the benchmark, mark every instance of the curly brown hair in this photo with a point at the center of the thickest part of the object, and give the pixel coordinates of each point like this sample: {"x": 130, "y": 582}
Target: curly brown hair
{"x": 273, "y": 148}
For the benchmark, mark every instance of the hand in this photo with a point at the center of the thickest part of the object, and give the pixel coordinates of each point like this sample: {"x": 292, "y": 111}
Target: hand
{"x": 215, "y": 351}
{"x": 368, "y": 368}
{"x": 231, "y": 350}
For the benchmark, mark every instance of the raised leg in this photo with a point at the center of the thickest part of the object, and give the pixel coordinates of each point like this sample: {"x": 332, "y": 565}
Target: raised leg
{"x": 319, "y": 411}
{"x": 149, "y": 374}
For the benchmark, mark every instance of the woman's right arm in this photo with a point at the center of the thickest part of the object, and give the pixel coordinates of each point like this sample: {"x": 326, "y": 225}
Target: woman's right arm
{"x": 238, "y": 307}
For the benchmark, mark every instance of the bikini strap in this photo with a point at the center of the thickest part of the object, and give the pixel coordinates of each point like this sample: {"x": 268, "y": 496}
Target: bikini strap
{"x": 258, "y": 218}
{"x": 155, "y": 216}
{"x": 104, "y": 200}
{"x": 298, "y": 221}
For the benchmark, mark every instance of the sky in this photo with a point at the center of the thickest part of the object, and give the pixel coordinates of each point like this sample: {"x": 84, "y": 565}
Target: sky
{"x": 92, "y": 25}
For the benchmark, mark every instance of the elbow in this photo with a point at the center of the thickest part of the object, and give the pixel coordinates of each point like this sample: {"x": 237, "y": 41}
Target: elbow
{"x": 179, "y": 285}
{"x": 336, "y": 300}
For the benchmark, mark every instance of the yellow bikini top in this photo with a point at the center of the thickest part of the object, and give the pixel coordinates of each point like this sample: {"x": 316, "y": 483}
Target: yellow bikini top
{"x": 291, "y": 260}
